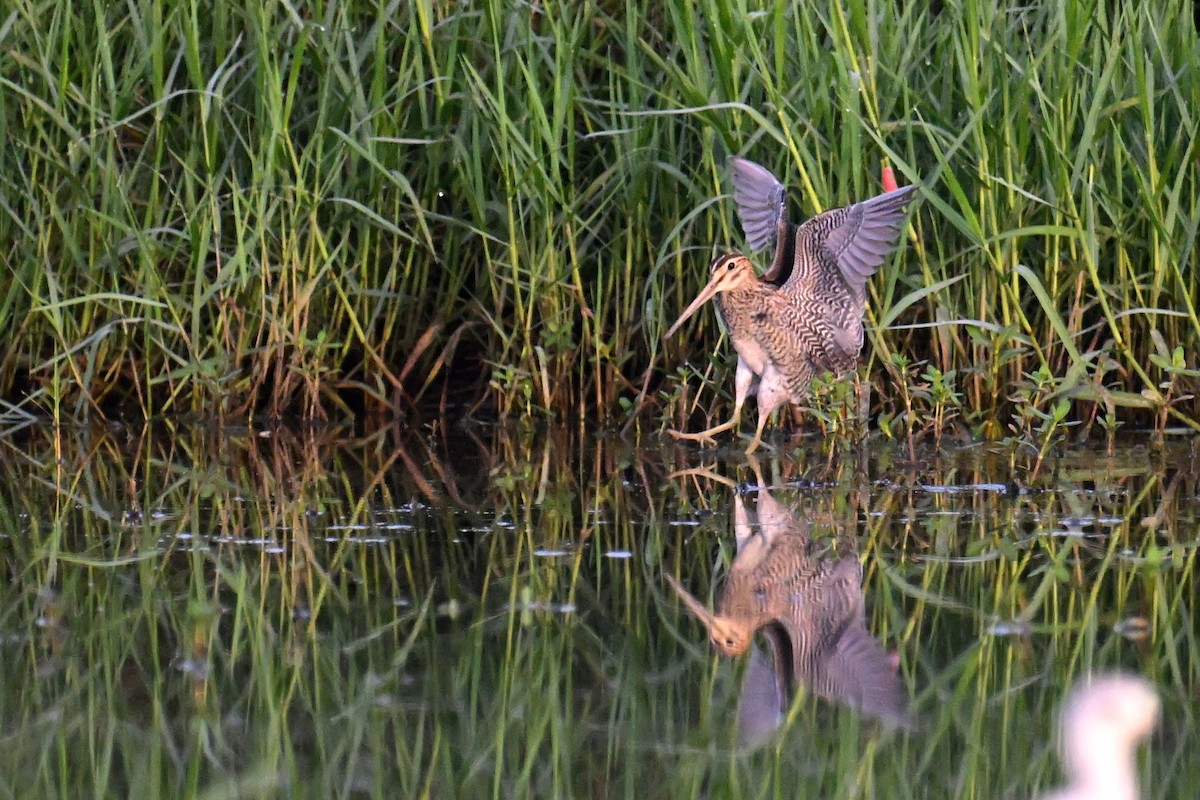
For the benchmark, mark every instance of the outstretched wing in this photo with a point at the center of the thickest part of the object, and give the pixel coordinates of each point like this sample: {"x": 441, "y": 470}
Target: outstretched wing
{"x": 836, "y": 252}
{"x": 762, "y": 207}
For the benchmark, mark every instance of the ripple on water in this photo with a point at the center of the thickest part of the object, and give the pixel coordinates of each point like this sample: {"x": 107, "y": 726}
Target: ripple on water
{"x": 969, "y": 488}
{"x": 358, "y": 539}
{"x": 1135, "y": 629}
{"x": 420, "y": 620}
{"x": 544, "y": 606}
{"x": 1010, "y": 627}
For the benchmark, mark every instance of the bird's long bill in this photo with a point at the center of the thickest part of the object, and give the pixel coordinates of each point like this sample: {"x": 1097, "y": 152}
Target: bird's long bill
{"x": 705, "y": 295}
{"x": 694, "y": 605}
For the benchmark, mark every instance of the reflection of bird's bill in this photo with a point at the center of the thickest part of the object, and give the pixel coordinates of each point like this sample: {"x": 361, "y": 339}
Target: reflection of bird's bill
{"x": 694, "y": 605}
{"x": 705, "y": 295}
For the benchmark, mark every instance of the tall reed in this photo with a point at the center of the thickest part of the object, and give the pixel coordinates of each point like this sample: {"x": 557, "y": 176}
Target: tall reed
{"x": 351, "y": 208}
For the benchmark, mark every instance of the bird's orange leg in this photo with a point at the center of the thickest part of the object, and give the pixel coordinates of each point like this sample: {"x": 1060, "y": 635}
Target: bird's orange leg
{"x": 757, "y": 440}
{"x": 707, "y": 436}
{"x": 742, "y": 383}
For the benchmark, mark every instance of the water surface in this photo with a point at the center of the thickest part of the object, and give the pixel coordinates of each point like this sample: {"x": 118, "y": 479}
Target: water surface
{"x": 193, "y": 612}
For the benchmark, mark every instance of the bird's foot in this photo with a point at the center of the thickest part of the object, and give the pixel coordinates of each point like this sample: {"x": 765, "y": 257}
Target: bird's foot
{"x": 704, "y": 437}
{"x": 708, "y": 473}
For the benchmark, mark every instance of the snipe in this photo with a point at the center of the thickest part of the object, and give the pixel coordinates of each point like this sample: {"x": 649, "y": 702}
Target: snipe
{"x": 803, "y": 317}
{"x": 812, "y": 615}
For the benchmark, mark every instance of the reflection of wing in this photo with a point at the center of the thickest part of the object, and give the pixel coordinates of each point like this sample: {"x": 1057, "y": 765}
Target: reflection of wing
{"x": 762, "y": 207}
{"x": 764, "y": 699}
{"x": 810, "y": 611}
{"x": 837, "y": 251}
{"x": 858, "y": 673}
{"x": 834, "y": 654}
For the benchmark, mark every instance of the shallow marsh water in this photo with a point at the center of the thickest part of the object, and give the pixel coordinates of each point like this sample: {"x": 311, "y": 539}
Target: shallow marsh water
{"x": 201, "y": 613}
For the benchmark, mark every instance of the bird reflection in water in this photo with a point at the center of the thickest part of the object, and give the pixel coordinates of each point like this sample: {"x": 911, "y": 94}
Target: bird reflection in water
{"x": 811, "y": 613}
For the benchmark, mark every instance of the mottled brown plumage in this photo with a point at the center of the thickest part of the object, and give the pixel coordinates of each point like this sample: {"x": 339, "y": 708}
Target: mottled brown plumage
{"x": 803, "y": 317}
{"x": 811, "y": 612}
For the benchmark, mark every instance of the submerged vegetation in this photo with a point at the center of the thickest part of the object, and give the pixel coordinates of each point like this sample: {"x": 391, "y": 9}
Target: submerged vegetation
{"x": 346, "y": 208}
{"x": 193, "y": 614}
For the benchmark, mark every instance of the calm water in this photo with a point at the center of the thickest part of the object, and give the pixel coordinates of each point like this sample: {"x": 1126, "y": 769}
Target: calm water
{"x": 200, "y": 613}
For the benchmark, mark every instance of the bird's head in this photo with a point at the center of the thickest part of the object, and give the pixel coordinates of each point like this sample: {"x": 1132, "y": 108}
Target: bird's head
{"x": 727, "y": 272}
{"x": 728, "y": 635}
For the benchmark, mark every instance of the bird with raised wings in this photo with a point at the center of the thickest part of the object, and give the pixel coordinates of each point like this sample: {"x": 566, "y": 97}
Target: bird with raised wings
{"x": 812, "y": 615}
{"x": 803, "y": 317}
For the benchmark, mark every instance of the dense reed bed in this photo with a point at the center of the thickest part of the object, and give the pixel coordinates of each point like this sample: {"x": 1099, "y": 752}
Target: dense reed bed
{"x": 349, "y": 208}
{"x": 196, "y": 616}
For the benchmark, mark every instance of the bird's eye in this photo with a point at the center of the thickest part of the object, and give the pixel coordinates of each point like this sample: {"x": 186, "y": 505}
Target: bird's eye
{"x": 728, "y": 265}
{"x": 729, "y": 642}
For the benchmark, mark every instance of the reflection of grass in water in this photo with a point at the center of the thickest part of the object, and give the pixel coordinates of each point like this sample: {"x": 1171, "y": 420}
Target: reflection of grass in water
{"x": 324, "y": 659}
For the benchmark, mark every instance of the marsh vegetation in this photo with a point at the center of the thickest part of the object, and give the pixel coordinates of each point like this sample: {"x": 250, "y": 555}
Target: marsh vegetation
{"x": 497, "y": 208}
{"x": 402, "y": 223}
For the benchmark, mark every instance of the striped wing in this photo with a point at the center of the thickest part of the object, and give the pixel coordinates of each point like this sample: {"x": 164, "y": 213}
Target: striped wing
{"x": 837, "y": 656}
{"x": 859, "y": 674}
{"x": 837, "y": 251}
{"x": 762, "y": 207}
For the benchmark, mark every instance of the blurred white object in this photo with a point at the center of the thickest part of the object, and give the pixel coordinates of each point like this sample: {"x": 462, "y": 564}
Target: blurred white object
{"x": 1102, "y": 722}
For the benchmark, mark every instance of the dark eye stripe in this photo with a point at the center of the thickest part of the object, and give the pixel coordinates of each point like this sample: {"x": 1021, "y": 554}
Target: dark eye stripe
{"x": 728, "y": 261}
